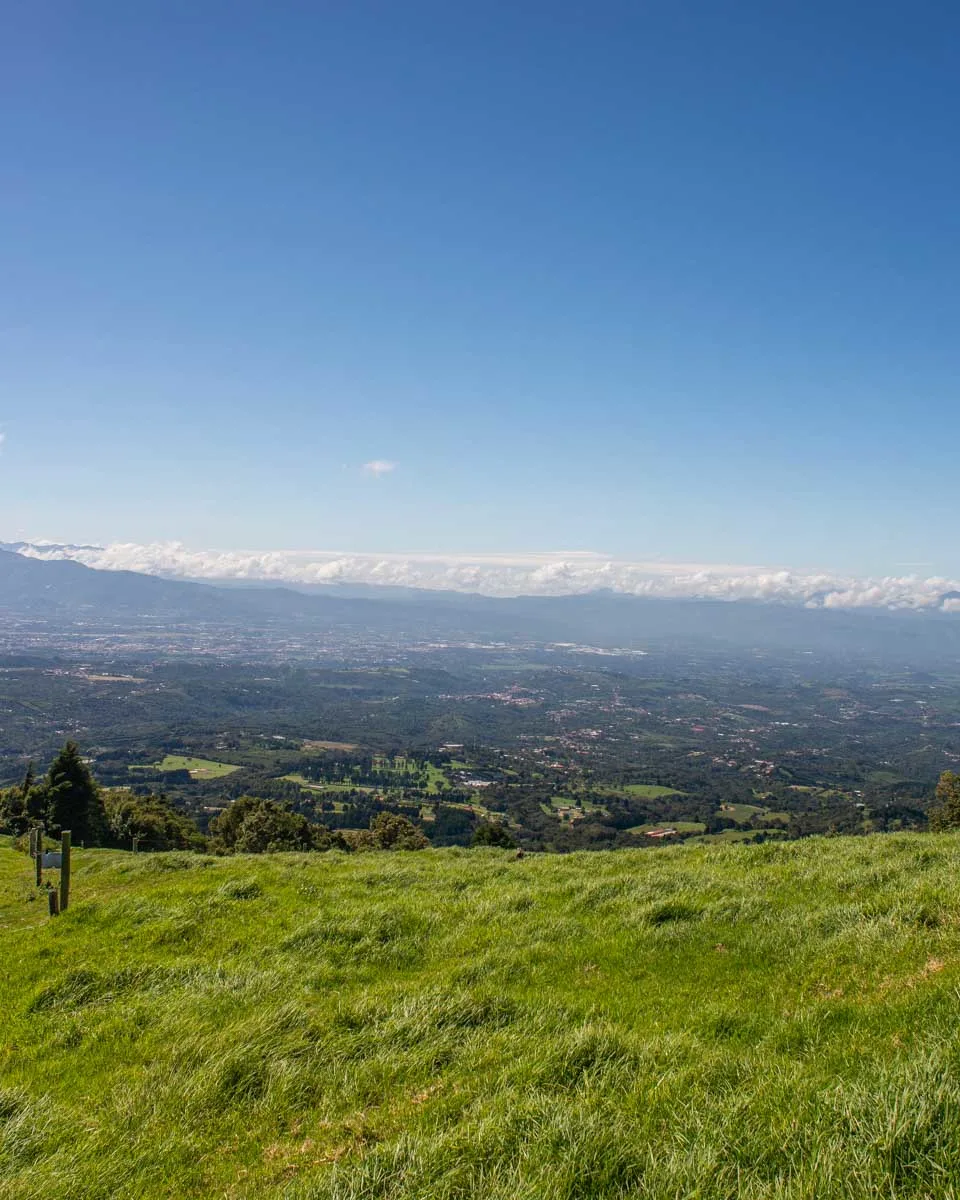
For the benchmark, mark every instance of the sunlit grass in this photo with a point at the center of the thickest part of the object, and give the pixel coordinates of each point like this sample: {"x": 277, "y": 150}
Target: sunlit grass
{"x": 642, "y": 791}
{"x": 776, "y": 1020}
{"x": 199, "y": 768}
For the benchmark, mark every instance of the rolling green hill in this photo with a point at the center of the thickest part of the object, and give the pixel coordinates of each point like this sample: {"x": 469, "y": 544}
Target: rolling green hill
{"x": 777, "y": 1020}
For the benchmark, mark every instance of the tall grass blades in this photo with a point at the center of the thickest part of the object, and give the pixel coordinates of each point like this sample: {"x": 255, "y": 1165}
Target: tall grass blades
{"x": 729, "y": 1023}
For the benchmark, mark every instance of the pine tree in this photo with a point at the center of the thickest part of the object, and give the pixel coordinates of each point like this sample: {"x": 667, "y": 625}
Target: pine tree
{"x": 73, "y": 798}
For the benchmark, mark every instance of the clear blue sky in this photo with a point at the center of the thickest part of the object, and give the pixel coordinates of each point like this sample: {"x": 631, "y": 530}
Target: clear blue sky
{"x": 650, "y": 278}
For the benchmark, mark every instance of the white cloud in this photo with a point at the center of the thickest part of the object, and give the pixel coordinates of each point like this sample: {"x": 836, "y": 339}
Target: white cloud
{"x": 545, "y": 574}
{"x": 379, "y": 466}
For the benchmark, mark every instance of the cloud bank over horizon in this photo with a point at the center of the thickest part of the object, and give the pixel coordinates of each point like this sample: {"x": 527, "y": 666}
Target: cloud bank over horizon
{"x": 543, "y": 574}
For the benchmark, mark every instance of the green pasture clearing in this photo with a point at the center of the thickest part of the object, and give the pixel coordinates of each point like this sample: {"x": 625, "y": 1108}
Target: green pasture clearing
{"x": 679, "y": 826}
{"x": 312, "y": 786}
{"x": 740, "y": 812}
{"x": 383, "y": 762}
{"x": 727, "y": 835}
{"x": 881, "y": 778}
{"x": 437, "y": 780}
{"x": 319, "y": 744}
{"x": 645, "y": 737}
{"x": 199, "y": 768}
{"x": 644, "y": 791}
{"x": 403, "y": 768}
{"x": 399, "y": 764}
{"x": 476, "y": 808}
{"x": 585, "y": 807}
{"x": 752, "y": 1022}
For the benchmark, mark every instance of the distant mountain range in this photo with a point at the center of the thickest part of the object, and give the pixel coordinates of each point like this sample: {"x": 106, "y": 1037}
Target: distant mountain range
{"x": 65, "y": 593}
{"x": 65, "y": 589}
{"x": 576, "y": 573}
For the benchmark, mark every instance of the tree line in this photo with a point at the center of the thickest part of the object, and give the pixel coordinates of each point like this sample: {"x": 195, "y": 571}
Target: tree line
{"x": 69, "y": 797}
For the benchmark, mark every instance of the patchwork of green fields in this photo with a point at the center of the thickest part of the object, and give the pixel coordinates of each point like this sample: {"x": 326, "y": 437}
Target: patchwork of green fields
{"x": 761, "y": 1022}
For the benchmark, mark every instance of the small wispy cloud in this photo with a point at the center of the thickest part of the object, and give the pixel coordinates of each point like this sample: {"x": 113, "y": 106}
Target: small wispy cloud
{"x": 379, "y": 466}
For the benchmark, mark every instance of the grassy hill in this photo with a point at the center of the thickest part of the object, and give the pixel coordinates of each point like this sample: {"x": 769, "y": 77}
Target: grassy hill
{"x": 777, "y": 1020}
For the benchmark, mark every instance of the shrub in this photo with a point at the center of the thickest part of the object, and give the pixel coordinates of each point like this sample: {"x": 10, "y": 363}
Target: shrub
{"x": 152, "y": 820}
{"x": 392, "y": 832}
{"x": 490, "y": 834}
{"x": 254, "y": 826}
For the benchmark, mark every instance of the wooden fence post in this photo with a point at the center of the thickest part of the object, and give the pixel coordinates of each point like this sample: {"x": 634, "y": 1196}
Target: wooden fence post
{"x": 38, "y": 856}
{"x": 64, "y": 870}
{"x": 53, "y": 900}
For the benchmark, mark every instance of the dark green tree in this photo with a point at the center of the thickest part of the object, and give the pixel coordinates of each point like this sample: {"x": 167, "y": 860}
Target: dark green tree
{"x": 73, "y": 800}
{"x": 24, "y": 806}
{"x": 947, "y": 813}
{"x": 152, "y": 820}
{"x": 255, "y": 826}
{"x": 493, "y": 834}
{"x": 392, "y": 832}
{"x": 13, "y": 816}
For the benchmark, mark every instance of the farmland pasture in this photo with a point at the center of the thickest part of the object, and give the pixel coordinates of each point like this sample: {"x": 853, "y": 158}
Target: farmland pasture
{"x": 642, "y": 791}
{"x": 679, "y": 826}
{"x": 341, "y": 788}
{"x": 199, "y": 768}
{"x": 312, "y": 744}
{"x": 741, "y": 812}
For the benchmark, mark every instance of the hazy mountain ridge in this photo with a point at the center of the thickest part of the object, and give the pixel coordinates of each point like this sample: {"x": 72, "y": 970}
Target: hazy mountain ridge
{"x": 63, "y": 591}
{"x": 574, "y": 573}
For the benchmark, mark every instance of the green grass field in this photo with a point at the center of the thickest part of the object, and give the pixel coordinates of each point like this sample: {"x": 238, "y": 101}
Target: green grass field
{"x": 312, "y": 786}
{"x": 317, "y": 744}
{"x": 199, "y": 768}
{"x": 756, "y": 1022}
{"x": 679, "y": 826}
{"x": 437, "y": 780}
{"x": 741, "y": 812}
{"x": 646, "y": 791}
{"x": 726, "y": 835}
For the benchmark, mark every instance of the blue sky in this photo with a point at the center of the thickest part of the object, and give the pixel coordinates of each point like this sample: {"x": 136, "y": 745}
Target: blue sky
{"x": 658, "y": 280}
